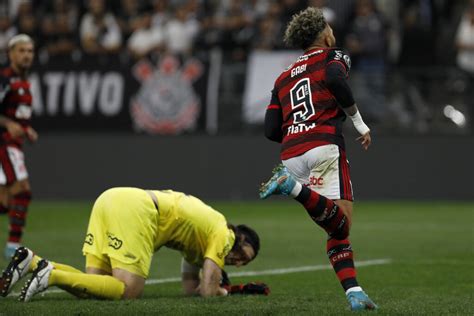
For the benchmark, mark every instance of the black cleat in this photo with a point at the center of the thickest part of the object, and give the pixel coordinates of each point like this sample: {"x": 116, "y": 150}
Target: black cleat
{"x": 16, "y": 269}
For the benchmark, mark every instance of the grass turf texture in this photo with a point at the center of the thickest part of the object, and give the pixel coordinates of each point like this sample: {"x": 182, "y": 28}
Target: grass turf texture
{"x": 430, "y": 245}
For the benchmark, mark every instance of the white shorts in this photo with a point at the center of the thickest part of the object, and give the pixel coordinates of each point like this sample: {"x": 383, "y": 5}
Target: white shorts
{"x": 325, "y": 170}
{"x": 12, "y": 165}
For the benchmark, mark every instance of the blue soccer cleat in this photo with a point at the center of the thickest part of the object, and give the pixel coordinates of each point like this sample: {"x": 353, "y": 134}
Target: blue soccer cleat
{"x": 360, "y": 301}
{"x": 281, "y": 183}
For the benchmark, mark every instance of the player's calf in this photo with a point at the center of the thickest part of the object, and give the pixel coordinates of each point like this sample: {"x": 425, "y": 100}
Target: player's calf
{"x": 324, "y": 212}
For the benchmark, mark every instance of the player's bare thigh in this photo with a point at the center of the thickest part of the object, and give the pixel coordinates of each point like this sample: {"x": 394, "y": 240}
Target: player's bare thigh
{"x": 134, "y": 284}
{"x": 19, "y": 186}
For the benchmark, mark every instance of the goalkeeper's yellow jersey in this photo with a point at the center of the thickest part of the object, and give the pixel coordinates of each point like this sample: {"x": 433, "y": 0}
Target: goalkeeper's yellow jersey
{"x": 192, "y": 227}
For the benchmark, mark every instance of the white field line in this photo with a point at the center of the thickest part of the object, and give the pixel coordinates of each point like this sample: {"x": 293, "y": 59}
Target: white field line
{"x": 318, "y": 267}
{"x": 281, "y": 271}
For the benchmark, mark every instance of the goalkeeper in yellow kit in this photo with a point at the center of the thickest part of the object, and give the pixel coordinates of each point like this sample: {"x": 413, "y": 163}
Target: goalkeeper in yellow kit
{"x": 127, "y": 225}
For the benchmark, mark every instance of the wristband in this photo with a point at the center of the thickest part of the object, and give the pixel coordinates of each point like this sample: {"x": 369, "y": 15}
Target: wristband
{"x": 359, "y": 124}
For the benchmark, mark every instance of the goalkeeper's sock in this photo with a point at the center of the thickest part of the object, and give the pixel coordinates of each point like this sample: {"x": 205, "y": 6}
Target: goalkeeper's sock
{"x": 83, "y": 285}
{"x": 341, "y": 257}
{"x": 65, "y": 267}
{"x": 57, "y": 266}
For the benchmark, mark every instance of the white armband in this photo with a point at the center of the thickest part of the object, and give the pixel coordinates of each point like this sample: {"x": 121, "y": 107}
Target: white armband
{"x": 359, "y": 124}
{"x": 186, "y": 267}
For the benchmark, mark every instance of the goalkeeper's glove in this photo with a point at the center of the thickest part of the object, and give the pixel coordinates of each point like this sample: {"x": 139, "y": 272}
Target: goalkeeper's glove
{"x": 250, "y": 288}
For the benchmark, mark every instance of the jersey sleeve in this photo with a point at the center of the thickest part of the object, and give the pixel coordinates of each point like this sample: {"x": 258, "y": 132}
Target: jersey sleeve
{"x": 274, "y": 101}
{"x": 219, "y": 245}
{"x": 339, "y": 57}
{"x": 337, "y": 72}
{"x": 274, "y": 119}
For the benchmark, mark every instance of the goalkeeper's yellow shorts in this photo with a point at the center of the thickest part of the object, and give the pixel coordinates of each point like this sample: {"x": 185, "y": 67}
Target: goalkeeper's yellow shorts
{"x": 121, "y": 232}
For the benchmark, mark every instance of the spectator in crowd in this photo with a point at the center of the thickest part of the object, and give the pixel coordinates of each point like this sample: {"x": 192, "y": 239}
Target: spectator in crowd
{"x": 27, "y": 22}
{"x": 269, "y": 30}
{"x": 180, "y": 32}
{"x": 160, "y": 13}
{"x": 290, "y": 8}
{"x": 465, "y": 40}
{"x": 235, "y": 23}
{"x": 58, "y": 28}
{"x": 465, "y": 56}
{"x": 416, "y": 60}
{"x": 7, "y": 31}
{"x": 329, "y": 13}
{"x": 145, "y": 39}
{"x": 267, "y": 34}
{"x": 99, "y": 31}
{"x": 129, "y": 17}
{"x": 367, "y": 44}
{"x": 418, "y": 33}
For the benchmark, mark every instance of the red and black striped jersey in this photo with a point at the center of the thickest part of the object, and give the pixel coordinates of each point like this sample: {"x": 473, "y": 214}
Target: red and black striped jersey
{"x": 15, "y": 102}
{"x": 311, "y": 115}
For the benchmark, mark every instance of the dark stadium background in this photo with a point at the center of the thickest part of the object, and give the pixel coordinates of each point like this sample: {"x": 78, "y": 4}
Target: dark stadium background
{"x": 411, "y": 89}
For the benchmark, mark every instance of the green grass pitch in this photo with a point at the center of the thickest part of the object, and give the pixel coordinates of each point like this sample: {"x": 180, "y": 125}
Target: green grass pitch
{"x": 429, "y": 245}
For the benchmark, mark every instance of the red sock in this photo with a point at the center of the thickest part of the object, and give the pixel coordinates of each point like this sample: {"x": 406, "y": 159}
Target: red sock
{"x": 17, "y": 212}
{"x": 341, "y": 257}
{"x": 325, "y": 213}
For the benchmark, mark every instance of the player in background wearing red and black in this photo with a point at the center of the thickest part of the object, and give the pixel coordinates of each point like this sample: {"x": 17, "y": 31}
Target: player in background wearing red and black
{"x": 15, "y": 115}
{"x": 310, "y": 101}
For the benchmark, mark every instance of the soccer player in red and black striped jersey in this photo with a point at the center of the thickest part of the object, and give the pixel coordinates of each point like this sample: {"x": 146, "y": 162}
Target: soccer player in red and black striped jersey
{"x": 15, "y": 115}
{"x": 309, "y": 103}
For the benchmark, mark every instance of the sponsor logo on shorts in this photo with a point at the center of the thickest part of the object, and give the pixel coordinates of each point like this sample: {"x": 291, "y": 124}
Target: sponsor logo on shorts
{"x": 89, "y": 239}
{"x": 114, "y": 242}
{"x": 316, "y": 181}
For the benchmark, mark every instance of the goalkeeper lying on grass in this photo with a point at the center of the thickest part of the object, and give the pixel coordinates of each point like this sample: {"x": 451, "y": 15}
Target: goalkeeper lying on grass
{"x": 127, "y": 225}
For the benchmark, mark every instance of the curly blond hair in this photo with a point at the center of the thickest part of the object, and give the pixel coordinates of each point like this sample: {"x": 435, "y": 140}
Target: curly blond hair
{"x": 305, "y": 28}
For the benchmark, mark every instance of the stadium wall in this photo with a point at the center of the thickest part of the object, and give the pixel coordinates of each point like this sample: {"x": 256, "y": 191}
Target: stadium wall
{"x": 81, "y": 166}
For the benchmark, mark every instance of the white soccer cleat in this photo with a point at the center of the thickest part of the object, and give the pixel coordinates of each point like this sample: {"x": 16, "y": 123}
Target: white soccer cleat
{"x": 16, "y": 269}
{"x": 38, "y": 281}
